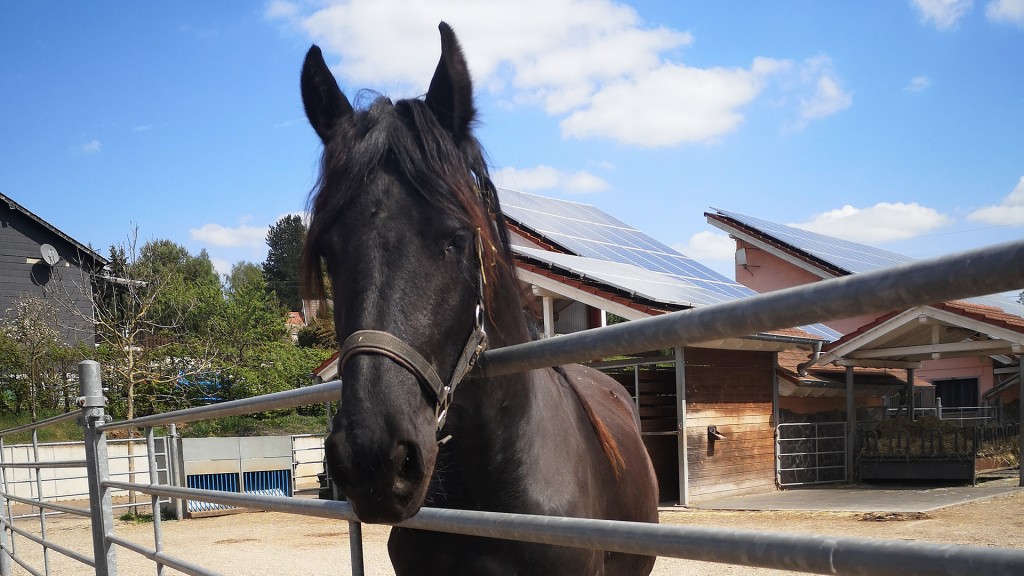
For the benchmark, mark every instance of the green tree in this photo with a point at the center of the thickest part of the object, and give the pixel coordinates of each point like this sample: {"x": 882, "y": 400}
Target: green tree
{"x": 284, "y": 260}
{"x": 250, "y": 315}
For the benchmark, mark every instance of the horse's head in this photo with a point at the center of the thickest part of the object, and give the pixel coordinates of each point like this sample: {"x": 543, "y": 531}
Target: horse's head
{"x": 401, "y": 219}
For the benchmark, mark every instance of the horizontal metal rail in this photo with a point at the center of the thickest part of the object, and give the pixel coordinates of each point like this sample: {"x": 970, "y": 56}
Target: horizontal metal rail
{"x": 41, "y": 423}
{"x": 804, "y": 553}
{"x": 978, "y": 272}
{"x": 318, "y": 393}
{"x": 49, "y": 544}
{"x": 48, "y": 505}
{"x": 28, "y": 568}
{"x": 45, "y": 464}
{"x": 162, "y": 558}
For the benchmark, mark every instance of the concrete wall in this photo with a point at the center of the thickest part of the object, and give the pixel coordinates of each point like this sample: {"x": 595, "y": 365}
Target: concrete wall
{"x": 70, "y": 483}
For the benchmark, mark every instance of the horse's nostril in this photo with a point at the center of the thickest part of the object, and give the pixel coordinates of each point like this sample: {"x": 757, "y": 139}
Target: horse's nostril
{"x": 408, "y": 464}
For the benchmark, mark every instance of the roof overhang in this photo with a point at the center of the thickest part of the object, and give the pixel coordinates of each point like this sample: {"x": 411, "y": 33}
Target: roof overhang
{"x": 924, "y": 333}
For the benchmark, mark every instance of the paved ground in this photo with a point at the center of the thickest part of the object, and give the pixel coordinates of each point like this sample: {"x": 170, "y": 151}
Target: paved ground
{"x": 871, "y": 498}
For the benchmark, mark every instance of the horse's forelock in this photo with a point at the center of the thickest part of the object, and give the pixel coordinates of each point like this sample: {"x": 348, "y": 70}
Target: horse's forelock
{"x": 451, "y": 176}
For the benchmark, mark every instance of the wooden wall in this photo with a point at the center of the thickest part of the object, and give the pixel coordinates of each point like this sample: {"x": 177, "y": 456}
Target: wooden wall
{"x": 22, "y": 272}
{"x": 728, "y": 389}
{"x": 733, "y": 391}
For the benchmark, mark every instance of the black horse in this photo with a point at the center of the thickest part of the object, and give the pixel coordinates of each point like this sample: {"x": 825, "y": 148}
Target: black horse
{"x": 408, "y": 224}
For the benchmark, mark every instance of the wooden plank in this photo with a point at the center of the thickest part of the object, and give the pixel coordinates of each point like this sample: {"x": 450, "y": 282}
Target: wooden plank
{"x": 737, "y": 489}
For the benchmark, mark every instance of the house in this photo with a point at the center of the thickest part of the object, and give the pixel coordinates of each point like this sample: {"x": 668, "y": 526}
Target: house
{"x": 708, "y": 411}
{"x": 37, "y": 259}
{"x": 968, "y": 352}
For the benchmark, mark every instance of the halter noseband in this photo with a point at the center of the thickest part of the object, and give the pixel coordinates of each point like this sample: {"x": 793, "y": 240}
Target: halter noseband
{"x": 388, "y": 345}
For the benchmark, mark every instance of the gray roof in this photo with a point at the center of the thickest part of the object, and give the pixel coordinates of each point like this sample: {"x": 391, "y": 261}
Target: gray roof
{"x": 81, "y": 248}
{"x": 850, "y": 257}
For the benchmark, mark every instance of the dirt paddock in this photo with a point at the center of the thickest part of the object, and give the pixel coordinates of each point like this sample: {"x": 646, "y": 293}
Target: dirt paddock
{"x": 261, "y": 543}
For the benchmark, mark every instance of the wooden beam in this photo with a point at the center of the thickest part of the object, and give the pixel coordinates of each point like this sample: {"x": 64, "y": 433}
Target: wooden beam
{"x": 900, "y": 364}
{"x": 976, "y": 346}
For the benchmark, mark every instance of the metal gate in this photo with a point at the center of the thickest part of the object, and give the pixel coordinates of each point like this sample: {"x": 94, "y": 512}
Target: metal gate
{"x": 985, "y": 271}
{"x": 810, "y": 453}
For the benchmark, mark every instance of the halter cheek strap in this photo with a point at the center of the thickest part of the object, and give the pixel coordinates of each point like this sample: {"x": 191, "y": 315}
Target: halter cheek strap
{"x": 393, "y": 347}
{"x": 386, "y": 344}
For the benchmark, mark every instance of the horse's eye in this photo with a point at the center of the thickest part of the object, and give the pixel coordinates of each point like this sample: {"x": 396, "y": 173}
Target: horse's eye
{"x": 457, "y": 243}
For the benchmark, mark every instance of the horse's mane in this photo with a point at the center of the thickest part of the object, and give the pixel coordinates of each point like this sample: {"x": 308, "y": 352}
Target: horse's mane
{"x": 451, "y": 176}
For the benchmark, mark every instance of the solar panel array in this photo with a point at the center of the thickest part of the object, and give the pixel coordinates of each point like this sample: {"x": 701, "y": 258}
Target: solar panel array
{"x": 587, "y": 231}
{"x": 851, "y": 256}
{"x": 644, "y": 265}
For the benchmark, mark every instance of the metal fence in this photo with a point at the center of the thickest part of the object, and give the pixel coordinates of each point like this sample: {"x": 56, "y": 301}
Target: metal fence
{"x": 979, "y": 272}
{"x": 810, "y": 453}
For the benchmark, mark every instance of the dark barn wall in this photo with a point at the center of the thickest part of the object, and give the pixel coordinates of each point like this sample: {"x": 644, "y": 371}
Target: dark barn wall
{"x": 22, "y": 272}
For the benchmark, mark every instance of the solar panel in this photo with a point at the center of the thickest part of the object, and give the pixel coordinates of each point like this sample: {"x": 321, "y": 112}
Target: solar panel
{"x": 844, "y": 254}
{"x": 852, "y": 256}
{"x": 617, "y": 254}
{"x": 587, "y": 231}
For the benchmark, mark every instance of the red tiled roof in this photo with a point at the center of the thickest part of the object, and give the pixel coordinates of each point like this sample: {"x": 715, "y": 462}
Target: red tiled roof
{"x": 980, "y": 312}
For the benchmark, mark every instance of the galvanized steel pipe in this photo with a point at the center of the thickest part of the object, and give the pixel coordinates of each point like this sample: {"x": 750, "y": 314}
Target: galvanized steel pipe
{"x": 978, "y": 272}
{"x": 804, "y": 553}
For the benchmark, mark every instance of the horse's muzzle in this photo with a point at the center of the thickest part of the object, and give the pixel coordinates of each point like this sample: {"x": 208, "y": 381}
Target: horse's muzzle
{"x": 384, "y": 487}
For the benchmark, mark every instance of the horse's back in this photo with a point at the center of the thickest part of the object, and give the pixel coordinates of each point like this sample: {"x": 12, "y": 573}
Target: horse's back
{"x": 633, "y": 480}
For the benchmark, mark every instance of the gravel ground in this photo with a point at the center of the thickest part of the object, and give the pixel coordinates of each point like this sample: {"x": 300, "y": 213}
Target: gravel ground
{"x": 260, "y": 543}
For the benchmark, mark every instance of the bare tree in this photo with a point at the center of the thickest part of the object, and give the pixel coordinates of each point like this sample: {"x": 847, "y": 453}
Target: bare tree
{"x": 147, "y": 312}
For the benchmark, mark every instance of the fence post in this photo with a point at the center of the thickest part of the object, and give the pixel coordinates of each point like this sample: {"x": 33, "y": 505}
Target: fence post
{"x": 938, "y": 407}
{"x": 173, "y": 455}
{"x": 93, "y": 403}
{"x": 6, "y": 546}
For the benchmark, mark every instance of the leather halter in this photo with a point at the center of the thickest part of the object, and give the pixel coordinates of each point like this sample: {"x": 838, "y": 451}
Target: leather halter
{"x": 386, "y": 344}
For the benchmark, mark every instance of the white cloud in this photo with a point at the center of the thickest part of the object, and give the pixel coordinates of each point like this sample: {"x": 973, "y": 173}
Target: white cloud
{"x": 680, "y": 104}
{"x": 91, "y": 147}
{"x": 1009, "y": 11}
{"x": 709, "y": 247}
{"x": 883, "y": 222}
{"x": 222, "y": 266}
{"x": 1009, "y": 213}
{"x": 943, "y": 14}
{"x": 548, "y": 178}
{"x": 594, "y": 63}
{"x": 827, "y": 95}
{"x": 241, "y": 236}
{"x": 918, "y": 84}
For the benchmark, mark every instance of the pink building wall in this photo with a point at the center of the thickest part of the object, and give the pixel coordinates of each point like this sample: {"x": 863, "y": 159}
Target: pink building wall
{"x": 766, "y": 272}
{"x": 971, "y": 367}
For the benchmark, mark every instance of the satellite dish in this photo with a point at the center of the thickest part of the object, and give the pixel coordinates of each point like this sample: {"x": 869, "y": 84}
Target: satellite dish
{"x": 50, "y": 255}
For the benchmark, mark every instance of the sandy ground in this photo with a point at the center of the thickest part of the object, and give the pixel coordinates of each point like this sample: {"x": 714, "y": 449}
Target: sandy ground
{"x": 260, "y": 543}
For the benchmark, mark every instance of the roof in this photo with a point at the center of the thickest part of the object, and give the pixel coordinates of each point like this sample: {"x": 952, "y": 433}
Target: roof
{"x": 582, "y": 240}
{"x": 839, "y": 257}
{"x": 830, "y": 381}
{"x": 587, "y": 231}
{"x": 830, "y": 257}
{"x": 81, "y": 248}
{"x": 945, "y": 330}
{"x": 648, "y": 292}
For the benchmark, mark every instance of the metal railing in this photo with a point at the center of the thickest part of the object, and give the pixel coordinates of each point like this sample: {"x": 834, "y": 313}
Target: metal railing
{"x": 306, "y": 457}
{"x": 975, "y": 273}
{"x": 810, "y": 453}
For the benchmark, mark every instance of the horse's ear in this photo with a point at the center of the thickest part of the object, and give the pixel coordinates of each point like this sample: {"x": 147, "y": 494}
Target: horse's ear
{"x": 324, "y": 102}
{"x": 450, "y": 96}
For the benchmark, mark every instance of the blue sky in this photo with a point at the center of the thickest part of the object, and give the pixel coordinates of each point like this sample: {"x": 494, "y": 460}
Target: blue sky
{"x": 893, "y": 123}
